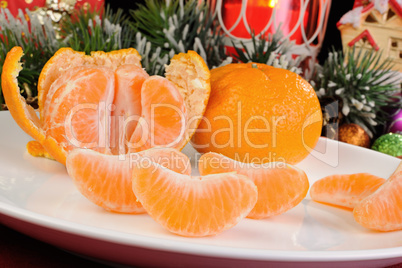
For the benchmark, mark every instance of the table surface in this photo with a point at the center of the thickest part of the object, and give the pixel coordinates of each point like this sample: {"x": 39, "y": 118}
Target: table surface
{"x": 19, "y": 250}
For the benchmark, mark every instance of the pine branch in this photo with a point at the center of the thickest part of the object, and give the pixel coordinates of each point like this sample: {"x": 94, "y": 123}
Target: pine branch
{"x": 87, "y": 31}
{"x": 172, "y": 27}
{"x": 270, "y": 50}
{"x": 364, "y": 83}
{"x": 38, "y": 41}
{"x": 153, "y": 62}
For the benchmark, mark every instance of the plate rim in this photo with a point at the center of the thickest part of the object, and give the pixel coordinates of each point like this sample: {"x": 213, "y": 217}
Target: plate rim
{"x": 206, "y": 250}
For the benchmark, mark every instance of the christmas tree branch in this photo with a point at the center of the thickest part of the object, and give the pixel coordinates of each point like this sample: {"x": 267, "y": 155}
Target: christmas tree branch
{"x": 362, "y": 81}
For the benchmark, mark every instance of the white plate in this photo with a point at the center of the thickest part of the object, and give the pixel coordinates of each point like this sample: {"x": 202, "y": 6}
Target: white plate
{"x": 38, "y": 198}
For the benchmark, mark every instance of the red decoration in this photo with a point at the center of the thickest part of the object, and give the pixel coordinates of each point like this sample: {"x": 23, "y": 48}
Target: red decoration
{"x": 15, "y": 5}
{"x": 359, "y": 3}
{"x": 368, "y": 5}
{"x": 90, "y": 4}
{"x": 396, "y": 6}
{"x": 393, "y": 3}
{"x": 365, "y": 34}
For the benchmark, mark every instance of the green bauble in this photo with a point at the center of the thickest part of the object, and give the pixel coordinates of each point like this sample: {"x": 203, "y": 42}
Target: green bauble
{"x": 390, "y": 143}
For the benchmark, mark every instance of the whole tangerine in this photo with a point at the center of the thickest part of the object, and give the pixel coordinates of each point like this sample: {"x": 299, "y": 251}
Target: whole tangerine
{"x": 259, "y": 113}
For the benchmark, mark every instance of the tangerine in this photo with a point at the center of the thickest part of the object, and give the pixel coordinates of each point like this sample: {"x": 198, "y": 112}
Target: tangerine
{"x": 258, "y": 113}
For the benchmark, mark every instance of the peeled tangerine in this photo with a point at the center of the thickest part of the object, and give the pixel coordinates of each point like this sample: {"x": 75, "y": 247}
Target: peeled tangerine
{"x": 382, "y": 210}
{"x": 280, "y": 186}
{"x": 107, "y": 102}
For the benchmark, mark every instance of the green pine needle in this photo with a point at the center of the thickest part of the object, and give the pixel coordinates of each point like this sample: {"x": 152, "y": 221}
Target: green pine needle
{"x": 38, "y": 41}
{"x": 172, "y": 27}
{"x": 87, "y": 31}
{"x": 270, "y": 50}
{"x": 364, "y": 84}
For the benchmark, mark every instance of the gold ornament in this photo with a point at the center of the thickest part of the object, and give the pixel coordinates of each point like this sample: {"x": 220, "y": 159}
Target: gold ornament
{"x": 56, "y": 10}
{"x": 3, "y": 4}
{"x": 354, "y": 134}
{"x": 28, "y": 1}
{"x": 86, "y": 6}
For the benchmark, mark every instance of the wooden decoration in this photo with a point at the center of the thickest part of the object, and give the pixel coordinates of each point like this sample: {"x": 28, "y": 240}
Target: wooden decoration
{"x": 375, "y": 24}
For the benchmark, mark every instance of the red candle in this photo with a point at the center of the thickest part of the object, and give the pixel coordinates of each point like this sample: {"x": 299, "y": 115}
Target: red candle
{"x": 259, "y": 12}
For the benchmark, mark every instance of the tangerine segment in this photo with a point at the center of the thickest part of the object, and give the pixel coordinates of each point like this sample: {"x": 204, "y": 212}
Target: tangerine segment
{"x": 127, "y": 105}
{"x": 66, "y": 58}
{"x": 106, "y": 179}
{"x": 190, "y": 74}
{"x": 22, "y": 113}
{"x": 193, "y": 206}
{"x": 76, "y": 110}
{"x": 382, "y": 210}
{"x": 345, "y": 190}
{"x": 163, "y": 118}
{"x": 280, "y": 186}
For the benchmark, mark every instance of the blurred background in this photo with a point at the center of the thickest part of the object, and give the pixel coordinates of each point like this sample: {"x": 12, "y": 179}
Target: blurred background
{"x": 332, "y": 37}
